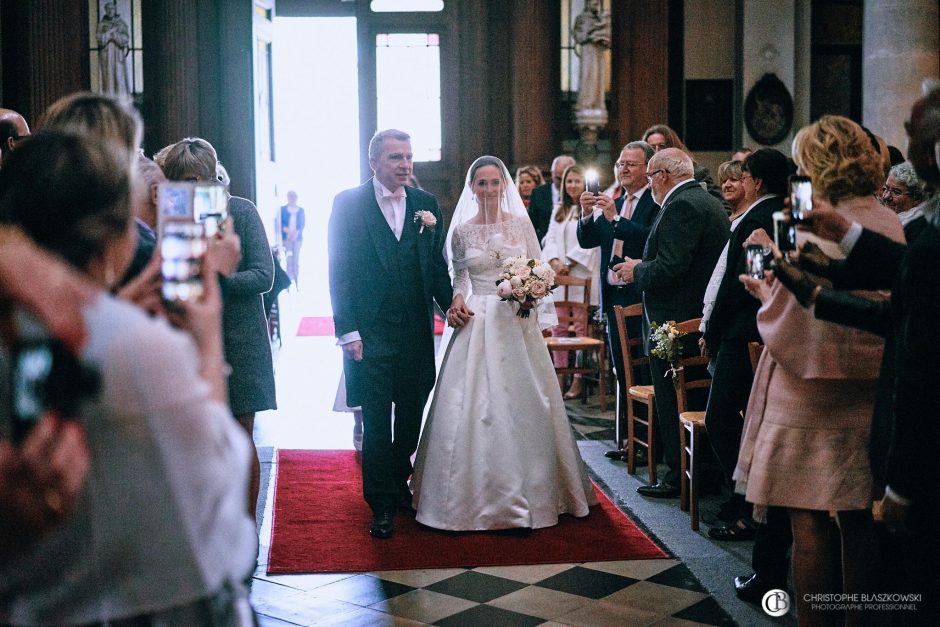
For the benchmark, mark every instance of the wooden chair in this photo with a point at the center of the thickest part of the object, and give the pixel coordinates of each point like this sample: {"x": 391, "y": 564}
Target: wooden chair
{"x": 692, "y": 440}
{"x": 643, "y": 394}
{"x": 572, "y": 311}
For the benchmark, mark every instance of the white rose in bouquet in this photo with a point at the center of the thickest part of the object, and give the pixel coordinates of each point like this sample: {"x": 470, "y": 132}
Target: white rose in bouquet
{"x": 504, "y": 289}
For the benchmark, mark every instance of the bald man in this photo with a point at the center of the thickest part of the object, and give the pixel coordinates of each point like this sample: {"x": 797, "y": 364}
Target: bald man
{"x": 13, "y": 128}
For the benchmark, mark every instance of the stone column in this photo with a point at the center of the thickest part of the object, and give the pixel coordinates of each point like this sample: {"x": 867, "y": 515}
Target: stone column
{"x": 901, "y": 47}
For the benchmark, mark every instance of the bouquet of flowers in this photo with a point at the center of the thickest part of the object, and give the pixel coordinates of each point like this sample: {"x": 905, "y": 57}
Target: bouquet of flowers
{"x": 524, "y": 280}
{"x": 665, "y": 344}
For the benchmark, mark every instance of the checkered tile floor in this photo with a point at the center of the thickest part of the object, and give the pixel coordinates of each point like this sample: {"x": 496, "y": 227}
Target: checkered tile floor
{"x": 637, "y": 592}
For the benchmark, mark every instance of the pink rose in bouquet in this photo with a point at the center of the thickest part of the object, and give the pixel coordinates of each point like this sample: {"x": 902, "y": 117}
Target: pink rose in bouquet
{"x": 525, "y": 280}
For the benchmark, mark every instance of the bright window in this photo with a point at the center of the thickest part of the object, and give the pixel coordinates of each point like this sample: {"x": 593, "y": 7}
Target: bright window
{"x": 408, "y": 89}
{"x": 400, "y": 6}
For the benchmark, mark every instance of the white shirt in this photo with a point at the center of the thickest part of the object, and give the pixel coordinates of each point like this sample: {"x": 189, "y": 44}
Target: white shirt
{"x": 711, "y": 291}
{"x": 392, "y": 205}
{"x": 626, "y": 212}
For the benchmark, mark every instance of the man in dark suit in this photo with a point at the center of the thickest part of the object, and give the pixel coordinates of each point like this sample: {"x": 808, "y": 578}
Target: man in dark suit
{"x": 626, "y": 221}
{"x": 546, "y": 197}
{"x": 386, "y": 269}
{"x": 732, "y": 323}
{"x": 683, "y": 245}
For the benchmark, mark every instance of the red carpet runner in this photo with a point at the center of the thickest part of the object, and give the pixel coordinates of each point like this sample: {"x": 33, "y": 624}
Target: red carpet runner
{"x": 323, "y": 326}
{"x": 321, "y": 524}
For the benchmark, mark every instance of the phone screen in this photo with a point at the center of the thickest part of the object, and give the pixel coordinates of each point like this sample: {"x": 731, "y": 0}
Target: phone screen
{"x": 784, "y": 234}
{"x": 801, "y": 197}
{"x": 32, "y": 365}
{"x": 183, "y": 248}
{"x": 210, "y": 206}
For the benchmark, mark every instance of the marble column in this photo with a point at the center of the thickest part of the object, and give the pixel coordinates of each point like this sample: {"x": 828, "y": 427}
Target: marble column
{"x": 901, "y": 47}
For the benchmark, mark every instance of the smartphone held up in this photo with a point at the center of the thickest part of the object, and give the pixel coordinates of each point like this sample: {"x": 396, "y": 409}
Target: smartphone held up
{"x": 187, "y": 215}
{"x": 801, "y": 197}
{"x": 592, "y": 182}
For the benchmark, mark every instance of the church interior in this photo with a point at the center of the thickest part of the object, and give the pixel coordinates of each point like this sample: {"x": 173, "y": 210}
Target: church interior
{"x": 290, "y": 93}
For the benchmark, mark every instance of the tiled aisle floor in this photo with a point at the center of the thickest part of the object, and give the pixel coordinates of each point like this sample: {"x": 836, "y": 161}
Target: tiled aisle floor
{"x": 639, "y": 592}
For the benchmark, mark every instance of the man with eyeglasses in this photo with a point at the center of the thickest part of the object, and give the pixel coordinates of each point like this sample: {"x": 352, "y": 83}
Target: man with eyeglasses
{"x": 619, "y": 227}
{"x": 904, "y": 194}
{"x": 683, "y": 246}
{"x": 13, "y": 128}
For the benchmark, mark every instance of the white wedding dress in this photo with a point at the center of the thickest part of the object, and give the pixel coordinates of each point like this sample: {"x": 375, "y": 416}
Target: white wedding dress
{"x": 496, "y": 451}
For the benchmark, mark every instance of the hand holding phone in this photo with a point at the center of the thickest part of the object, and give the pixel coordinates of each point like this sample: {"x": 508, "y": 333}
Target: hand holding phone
{"x": 591, "y": 182}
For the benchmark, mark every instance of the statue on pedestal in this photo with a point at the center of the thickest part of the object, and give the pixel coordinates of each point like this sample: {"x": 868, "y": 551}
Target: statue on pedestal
{"x": 592, "y": 33}
{"x": 114, "y": 45}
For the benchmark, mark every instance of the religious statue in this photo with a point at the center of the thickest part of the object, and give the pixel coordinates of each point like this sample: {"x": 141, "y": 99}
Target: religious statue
{"x": 592, "y": 33}
{"x": 114, "y": 46}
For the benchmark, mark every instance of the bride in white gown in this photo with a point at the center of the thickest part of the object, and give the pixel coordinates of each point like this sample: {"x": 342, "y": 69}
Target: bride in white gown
{"x": 496, "y": 451}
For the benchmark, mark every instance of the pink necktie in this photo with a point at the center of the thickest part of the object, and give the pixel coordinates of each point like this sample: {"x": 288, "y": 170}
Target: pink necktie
{"x": 626, "y": 212}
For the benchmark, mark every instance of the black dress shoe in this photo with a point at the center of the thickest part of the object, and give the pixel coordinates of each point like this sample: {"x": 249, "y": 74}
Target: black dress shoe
{"x": 753, "y": 588}
{"x": 735, "y": 532}
{"x": 383, "y": 525}
{"x": 616, "y": 454}
{"x": 659, "y": 490}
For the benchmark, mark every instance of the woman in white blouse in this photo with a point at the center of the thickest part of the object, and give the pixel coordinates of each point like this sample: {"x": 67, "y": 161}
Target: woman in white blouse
{"x": 567, "y": 258}
{"x": 160, "y": 534}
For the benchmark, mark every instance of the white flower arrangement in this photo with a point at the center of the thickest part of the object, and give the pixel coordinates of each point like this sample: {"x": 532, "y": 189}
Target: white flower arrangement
{"x": 525, "y": 280}
{"x": 425, "y": 219}
{"x": 665, "y": 344}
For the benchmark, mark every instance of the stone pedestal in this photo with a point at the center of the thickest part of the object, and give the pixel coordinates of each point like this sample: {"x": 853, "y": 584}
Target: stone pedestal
{"x": 900, "y": 49}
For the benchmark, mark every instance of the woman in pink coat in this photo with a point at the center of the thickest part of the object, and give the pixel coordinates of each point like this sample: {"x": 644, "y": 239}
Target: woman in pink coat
{"x": 808, "y": 422}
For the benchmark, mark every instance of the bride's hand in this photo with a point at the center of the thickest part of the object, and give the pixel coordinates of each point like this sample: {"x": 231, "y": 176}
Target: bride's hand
{"x": 529, "y": 304}
{"x": 458, "y": 314}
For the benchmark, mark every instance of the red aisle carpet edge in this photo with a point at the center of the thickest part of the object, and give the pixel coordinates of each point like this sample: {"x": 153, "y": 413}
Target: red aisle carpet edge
{"x": 323, "y": 326}
{"x": 320, "y": 524}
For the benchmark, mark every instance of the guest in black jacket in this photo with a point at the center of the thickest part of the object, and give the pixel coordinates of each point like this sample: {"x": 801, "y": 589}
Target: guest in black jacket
{"x": 606, "y": 222}
{"x": 545, "y": 197}
{"x": 732, "y": 322}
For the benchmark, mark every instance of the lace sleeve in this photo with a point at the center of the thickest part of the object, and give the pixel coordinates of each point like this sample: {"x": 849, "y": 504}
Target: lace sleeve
{"x": 461, "y": 273}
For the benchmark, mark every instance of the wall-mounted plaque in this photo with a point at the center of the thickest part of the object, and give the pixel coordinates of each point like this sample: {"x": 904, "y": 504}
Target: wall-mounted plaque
{"x": 768, "y": 111}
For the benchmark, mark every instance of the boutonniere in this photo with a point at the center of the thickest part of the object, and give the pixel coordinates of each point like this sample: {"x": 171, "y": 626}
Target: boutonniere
{"x": 425, "y": 219}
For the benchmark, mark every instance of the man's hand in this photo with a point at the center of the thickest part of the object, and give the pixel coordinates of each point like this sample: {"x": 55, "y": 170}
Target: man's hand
{"x": 893, "y": 514}
{"x": 353, "y": 350}
{"x": 625, "y": 270}
{"x": 814, "y": 260}
{"x": 587, "y": 200}
{"x": 702, "y": 347}
{"x": 458, "y": 314}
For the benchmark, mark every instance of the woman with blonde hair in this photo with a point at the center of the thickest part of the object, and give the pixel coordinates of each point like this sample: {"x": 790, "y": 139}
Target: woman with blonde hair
{"x": 808, "y": 422}
{"x": 528, "y": 177}
{"x": 568, "y": 258}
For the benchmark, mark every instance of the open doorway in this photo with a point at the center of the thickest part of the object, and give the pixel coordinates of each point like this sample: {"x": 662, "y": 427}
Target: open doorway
{"x": 316, "y": 125}
{"x": 315, "y": 93}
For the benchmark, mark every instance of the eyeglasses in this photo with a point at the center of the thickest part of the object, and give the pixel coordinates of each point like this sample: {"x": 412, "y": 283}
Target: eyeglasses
{"x": 650, "y": 175}
{"x": 893, "y": 191}
{"x": 746, "y": 175}
{"x": 628, "y": 164}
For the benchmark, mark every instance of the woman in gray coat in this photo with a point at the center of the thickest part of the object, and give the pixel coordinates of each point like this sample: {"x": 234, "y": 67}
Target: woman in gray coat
{"x": 245, "y": 327}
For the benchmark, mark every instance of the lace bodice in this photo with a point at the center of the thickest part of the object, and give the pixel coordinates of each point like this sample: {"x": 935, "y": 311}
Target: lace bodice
{"x": 479, "y": 251}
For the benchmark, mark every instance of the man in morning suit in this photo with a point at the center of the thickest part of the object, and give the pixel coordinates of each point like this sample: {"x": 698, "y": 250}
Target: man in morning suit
{"x": 683, "y": 245}
{"x": 385, "y": 273}
{"x": 546, "y": 197}
{"x": 620, "y": 227}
